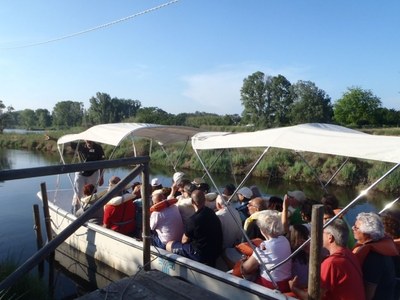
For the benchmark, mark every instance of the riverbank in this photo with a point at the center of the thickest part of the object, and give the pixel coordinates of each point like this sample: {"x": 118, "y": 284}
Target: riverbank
{"x": 276, "y": 166}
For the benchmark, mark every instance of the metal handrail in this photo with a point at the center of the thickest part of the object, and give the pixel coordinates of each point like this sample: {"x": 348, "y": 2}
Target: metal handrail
{"x": 142, "y": 166}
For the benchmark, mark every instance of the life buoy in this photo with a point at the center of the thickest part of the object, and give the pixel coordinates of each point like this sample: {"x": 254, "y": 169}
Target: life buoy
{"x": 163, "y": 204}
{"x": 246, "y": 250}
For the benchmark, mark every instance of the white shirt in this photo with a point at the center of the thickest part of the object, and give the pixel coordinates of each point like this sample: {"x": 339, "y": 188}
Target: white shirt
{"x": 185, "y": 208}
{"x": 272, "y": 252}
{"x": 167, "y": 223}
{"x": 230, "y": 230}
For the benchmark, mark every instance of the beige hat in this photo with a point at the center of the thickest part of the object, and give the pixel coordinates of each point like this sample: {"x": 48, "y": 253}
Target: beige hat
{"x": 298, "y": 195}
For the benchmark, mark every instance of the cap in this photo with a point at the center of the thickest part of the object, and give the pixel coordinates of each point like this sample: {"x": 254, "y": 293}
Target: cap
{"x": 177, "y": 177}
{"x": 298, "y": 195}
{"x": 246, "y": 192}
{"x": 154, "y": 182}
{"x": 198, "y": 181}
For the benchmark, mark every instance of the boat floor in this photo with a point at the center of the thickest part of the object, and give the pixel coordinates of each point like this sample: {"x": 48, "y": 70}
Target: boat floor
{"x": 151, "y": 285}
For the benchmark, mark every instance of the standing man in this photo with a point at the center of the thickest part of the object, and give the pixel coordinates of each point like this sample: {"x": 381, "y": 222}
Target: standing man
{"x": 88, "y": 151}
{"x": 341, "y": 275}
{"x": 202, "y": 239}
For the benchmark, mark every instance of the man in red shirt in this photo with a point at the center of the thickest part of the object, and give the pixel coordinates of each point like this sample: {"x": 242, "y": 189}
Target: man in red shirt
{"x": 341, "y": 275}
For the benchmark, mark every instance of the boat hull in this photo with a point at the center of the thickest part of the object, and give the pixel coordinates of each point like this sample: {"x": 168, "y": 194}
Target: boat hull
{"x": 125, "y": 254}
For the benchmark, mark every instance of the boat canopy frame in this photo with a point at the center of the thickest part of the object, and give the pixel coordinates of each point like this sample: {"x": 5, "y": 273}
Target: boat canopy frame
{"x": 311, "y": 137}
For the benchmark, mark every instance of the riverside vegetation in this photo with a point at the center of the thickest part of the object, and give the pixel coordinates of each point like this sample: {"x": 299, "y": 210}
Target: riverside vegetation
{"x": 276, "y": 165}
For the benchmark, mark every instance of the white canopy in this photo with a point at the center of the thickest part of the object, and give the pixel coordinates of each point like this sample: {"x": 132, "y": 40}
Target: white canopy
{"x": 313, "y": 137}
{"x": 114, "y": 133}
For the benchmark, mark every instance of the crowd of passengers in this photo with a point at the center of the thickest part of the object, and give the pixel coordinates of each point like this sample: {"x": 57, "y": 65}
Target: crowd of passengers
{"x": 360, "y": 260}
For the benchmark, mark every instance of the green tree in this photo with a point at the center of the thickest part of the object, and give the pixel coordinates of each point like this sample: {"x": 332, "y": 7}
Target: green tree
{"x": 43, "y": 118}
{"x": 254, "y": 98}
{"x": 67, "y": 114}
{"x": 5, "y": 115}
{"x": 28, "y": 119}
{"x": 357, "y": 107}
{"x": 266, "y": 100}
{"x": 104, "y": 109}
{"x": 311, "y": 104}
{"x": 281, "y": 98}
{"x": 154, "y": 115}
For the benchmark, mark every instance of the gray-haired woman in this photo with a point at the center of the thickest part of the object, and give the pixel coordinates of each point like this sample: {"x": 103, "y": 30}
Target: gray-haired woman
{"x": 272, "y": 251}
{"x": 375, "y": 253}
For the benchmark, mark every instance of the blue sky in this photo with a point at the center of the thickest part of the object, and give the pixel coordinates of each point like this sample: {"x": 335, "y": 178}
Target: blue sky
{"x": 193, "y": 55}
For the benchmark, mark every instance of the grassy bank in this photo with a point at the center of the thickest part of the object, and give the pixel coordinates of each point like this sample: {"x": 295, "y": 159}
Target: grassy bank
{"x": 276, "y": 165}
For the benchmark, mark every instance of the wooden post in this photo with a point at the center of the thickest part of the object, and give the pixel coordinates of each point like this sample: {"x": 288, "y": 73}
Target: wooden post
{"x": 39, "y": 238}
{"x": 146, "y": 217}
{"x": 37, "y": 226}
{"x": 314, "y": 275}
{"x": 46, "y": 213}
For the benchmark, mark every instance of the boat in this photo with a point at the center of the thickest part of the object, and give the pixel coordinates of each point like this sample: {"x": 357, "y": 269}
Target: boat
{"x": 125, "y": 253}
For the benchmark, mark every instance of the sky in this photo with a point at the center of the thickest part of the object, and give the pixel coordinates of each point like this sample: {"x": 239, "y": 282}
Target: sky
{"x": 193, "y": 55}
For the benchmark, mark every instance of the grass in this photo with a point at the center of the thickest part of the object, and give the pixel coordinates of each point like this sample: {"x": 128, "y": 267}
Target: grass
{"x": 28, "y": 287}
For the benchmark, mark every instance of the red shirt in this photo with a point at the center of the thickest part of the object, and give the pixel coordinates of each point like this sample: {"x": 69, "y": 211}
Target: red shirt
{"x": 341, "y": 276}
{"x": 120, "y": 218}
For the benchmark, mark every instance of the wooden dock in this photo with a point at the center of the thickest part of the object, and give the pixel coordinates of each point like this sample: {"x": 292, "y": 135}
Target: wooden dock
{"x": 151, "y": 285}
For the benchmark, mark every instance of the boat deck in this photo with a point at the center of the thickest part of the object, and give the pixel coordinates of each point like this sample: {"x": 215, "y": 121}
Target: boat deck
{"x": 151, "y": 285}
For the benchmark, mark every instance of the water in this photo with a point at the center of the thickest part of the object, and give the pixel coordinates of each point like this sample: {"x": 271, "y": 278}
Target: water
{"x": 17, "y": 237}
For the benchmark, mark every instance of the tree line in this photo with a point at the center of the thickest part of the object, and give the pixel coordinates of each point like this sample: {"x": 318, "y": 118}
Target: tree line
{"x": 268, "y": 101}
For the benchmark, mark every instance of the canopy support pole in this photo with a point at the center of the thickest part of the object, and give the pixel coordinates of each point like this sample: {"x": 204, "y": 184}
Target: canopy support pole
{"x": 345, "y": 209}
{"x": 337, "y": 172}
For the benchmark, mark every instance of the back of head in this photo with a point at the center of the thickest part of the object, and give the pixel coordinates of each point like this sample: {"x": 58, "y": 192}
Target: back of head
{"x": 371, "y": 224}
{"x": 391, "y": 223}
{"x": 189, "y": 188}
{"x": 340, "y": 231}
{"x": 229, "y": 189}
{"x": 298, "y": 195}
{"x": 256, "y": 191}
{"x": 298, "y": 234}
{"x": 270, "y": 223}
{"x": 275, "y": 203}
{"x": 88, "y": 189}
{"x": 330, "y": 200}
{"x": 199, "y": 198}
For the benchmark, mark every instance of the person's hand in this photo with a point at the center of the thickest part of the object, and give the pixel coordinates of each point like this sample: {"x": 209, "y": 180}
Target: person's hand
{"x": 293, "y": 283}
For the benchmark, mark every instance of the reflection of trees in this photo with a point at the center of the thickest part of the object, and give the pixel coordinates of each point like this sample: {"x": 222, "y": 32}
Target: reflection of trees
{"x": 5, "y": 163}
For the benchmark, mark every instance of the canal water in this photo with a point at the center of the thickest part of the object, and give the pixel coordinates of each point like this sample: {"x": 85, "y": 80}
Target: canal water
{"x": 17, "y": 197}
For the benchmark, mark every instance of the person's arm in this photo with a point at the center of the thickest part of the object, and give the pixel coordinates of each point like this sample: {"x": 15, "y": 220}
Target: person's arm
{"x": 285, "y": 214}
{"x": 249, "y": 266}
{"x": 300, "y": 293}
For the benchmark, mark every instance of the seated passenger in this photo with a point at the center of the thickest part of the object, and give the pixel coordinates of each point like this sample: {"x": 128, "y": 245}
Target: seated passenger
{"x": 230, "y": 222}
{"x": 90, "y": 197}
{"x": 165, "y": 222}
{"x": 244, "y": 195}
{"x": 120, "y": 212}
{"x": 255, "y": 206}
{"x": 341, "y": 276}
{"x": 272, "y": 251}
{"x": 184, "y": 203}
{"x": 298, "y": 234}
{"x": 202, "y": 239}
{"x": 375, "y": 252}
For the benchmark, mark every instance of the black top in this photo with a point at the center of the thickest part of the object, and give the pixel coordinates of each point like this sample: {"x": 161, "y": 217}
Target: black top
{"x": 89, "y": 154}
{"x": 205, "y": 233}
{"x": 379, "y": 269}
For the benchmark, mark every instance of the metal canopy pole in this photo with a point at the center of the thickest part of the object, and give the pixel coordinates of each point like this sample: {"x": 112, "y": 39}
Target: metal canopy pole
{"x": 345, "y": 209}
